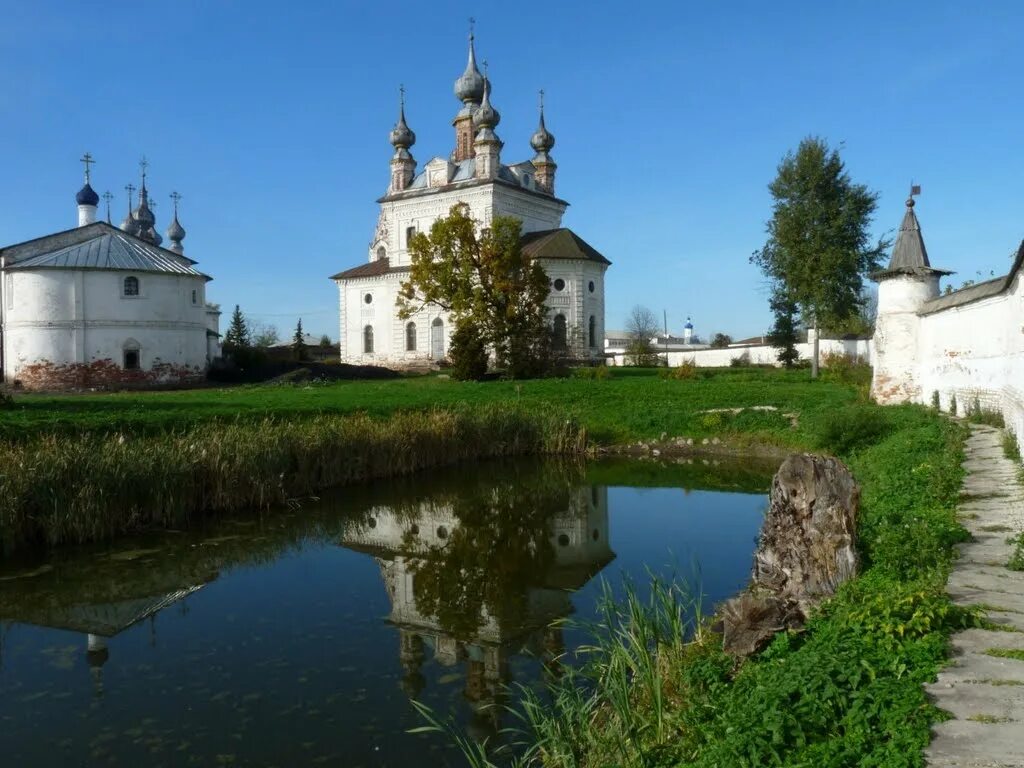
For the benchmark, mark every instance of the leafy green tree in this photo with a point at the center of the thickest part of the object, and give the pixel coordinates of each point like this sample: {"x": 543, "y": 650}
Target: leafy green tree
{"x": 299, "y": 342}
{"x": 783, "y": 335}
{"x": 482, "y": 277}
{"x": 325, "y": 340}
{"x": 467, "y": 353}
{"x": 237, "y": 336}
{"x": 720, "y": 341}
{"x": 818, "y": 248}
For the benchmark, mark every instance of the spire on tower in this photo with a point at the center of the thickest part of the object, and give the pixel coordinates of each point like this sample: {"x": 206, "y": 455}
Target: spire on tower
{"x": 130, "y": 224}
{"x": 469, "y": 87}
{"x": 401, "y": 136}
{"x": 542, "y": 140}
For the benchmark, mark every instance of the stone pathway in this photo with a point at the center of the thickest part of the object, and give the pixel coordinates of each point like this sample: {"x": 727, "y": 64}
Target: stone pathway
{"x": 984, "y": 693}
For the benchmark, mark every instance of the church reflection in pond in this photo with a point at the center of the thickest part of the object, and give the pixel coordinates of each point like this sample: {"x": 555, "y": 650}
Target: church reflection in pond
{"x": 477, "y": 578}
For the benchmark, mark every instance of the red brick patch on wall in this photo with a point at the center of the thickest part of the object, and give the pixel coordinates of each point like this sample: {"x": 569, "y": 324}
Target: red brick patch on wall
{"x": 104, "y": 374}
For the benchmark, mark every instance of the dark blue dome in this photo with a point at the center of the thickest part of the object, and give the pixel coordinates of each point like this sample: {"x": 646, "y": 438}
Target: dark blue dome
{"x": 87, "y": 196}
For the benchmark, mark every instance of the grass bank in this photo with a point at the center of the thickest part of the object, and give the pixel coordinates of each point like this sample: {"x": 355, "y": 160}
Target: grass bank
{"x": 72, "y": 488}
{"x": 629, "y": 405}
{"x": 654, "y": 690}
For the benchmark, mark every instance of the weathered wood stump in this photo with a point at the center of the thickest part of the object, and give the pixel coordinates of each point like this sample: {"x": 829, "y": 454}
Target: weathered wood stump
{"x": 806, "y": 549}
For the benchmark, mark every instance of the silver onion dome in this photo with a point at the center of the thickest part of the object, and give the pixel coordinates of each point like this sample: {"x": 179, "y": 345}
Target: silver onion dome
{"x": 402, "y": 136}
{"x": 542, "y": 140}
{"x": 130, "y": 225}
{"x": 175, "y": 232}
{"x": 469, "y": 87}
{"x": 486, "y": 116}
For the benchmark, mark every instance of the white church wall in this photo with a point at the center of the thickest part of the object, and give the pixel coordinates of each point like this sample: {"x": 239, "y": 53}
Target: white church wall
{"x": 72, "y": 327}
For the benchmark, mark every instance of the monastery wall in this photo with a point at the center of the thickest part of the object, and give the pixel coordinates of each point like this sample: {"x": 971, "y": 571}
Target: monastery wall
{"x": 976, "y": 352}
{"x": 761, "y": 354}
{"x": 72, "y": 328}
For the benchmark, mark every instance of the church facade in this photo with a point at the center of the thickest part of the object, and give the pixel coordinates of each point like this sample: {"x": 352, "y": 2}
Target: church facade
{"x": 100, "y": 306}
{"x": 371, "y": 332}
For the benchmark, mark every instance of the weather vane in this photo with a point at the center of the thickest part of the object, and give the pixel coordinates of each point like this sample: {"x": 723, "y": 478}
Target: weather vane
{"x": 87, "y": 159}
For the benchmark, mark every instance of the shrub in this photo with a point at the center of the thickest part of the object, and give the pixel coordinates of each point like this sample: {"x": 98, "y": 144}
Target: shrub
{"x": 467, "y": 353}
{"x": 597, "y": 372}
{"x": 845, "y": 369}
{"x": 952, "y": 404}
{"x": 6, "y": 402}
{"x": 1010, "y": 446}
{"x": 936, "y": 402}
{"x": 741, "y": 361}
{"x": 1016, "y": 562}
{"x": 684, "y": 371}
{"x": 849, "y": 429}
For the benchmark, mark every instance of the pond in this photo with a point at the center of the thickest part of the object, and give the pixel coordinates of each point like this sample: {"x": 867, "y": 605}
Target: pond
{"x": 297, "y": 638}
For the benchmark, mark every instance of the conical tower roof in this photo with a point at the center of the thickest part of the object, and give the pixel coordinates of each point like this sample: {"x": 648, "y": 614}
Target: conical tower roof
{"x": 909, "y": 256}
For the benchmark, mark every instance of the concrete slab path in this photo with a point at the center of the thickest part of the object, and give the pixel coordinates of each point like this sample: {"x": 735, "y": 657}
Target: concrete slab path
{"x": 985, "y": 693}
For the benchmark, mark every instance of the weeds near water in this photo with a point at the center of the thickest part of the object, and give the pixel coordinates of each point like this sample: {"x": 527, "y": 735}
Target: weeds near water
{"x": 71, "y": 489}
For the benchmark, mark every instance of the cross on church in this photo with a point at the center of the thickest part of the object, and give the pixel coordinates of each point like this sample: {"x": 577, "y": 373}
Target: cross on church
{"x": 130, "y": 189}
{"x": 175, "y": 197}
{"x": 472, "y": 23}
{"x": 541, "y": 92}
{"x": 107, "y": 197}
{"x": 87, "y": 159}
{"x": 143, "y": 165}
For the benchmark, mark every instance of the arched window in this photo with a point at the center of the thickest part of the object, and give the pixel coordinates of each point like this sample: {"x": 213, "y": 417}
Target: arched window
{"x": 410, "y": 233}
{"x": 437, "y": 338}
{"x": 560, "y": 332}
{"x": 592, "y": 334}
{"x": 410, "y": 337}
{"x": 368, "y": 340}
{"x": 382, "y": 253}
{"x": 131, "y": 286}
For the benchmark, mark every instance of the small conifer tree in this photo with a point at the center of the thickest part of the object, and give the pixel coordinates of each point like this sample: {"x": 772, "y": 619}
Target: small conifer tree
{"x": 237, "y": 336}
{"x": 299, "y": 342}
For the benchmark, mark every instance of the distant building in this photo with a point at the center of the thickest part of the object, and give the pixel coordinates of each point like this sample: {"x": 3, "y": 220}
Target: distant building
{"x": 102, "y": 306}
{"x": 371, "y": 331}
{"x": 315, "y": 350}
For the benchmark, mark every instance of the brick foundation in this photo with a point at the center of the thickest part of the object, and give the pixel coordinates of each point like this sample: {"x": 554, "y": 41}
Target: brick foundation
{"x": 102, "y": 374}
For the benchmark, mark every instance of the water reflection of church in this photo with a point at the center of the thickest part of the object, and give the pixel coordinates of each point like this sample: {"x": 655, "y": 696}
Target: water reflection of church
{"x": 407, "y": 544}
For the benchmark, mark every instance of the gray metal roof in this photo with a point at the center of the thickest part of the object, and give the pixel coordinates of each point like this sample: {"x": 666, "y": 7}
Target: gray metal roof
{"x": 978, "y": 291}
{"x": 909, "y": 251}
{"x": 108, "y": 248}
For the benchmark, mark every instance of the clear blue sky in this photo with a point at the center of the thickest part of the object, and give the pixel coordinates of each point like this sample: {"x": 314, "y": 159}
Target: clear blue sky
{"x": 272, "y": 120}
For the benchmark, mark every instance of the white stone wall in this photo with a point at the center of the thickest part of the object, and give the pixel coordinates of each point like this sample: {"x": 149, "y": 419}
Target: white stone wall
{"x": 976, "y": 352}
{"x": 763, "y": 354}
{"x": 61, "y": 318}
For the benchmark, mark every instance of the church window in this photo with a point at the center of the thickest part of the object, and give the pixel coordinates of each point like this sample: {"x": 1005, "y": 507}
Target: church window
{"x": 560, "y": 332}
{"x": 382, "y": 253}
{"x": 410, "y": 233}
{"x": 195, "y": 296}
{"x": 563, "y": 540}
{"x": 410, "y": 337}
{"x": 131, "y": 286}
{"x": 368, "y": 340}
{"x": 592, "y": 332}
{"x": 559, "y": 284}
{"x": 590, "y": 286}
{"x": 437, "y": 338}
{"x": 526, "y": 180}
{"x": 368, "y": 298}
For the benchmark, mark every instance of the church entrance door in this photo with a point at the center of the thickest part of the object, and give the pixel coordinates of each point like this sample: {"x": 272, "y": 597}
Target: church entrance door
{"x": 437, "y": 339}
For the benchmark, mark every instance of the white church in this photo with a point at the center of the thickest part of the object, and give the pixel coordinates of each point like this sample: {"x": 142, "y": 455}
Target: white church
{"x": 371, "y": 332}
{"x": 102, "y": 306}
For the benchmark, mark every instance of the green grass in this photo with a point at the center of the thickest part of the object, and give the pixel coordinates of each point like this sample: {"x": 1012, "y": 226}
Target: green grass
{"x": 1006, "y": 653}
{"x": 629, "y": 405}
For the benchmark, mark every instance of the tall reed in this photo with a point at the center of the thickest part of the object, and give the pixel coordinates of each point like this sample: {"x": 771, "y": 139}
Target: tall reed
{"x": 71, "y": 489}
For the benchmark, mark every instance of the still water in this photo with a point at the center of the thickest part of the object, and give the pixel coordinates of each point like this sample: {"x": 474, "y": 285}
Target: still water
{"x": 297, "y": 638}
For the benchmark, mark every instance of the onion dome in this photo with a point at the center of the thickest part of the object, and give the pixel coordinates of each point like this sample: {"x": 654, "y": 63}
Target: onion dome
{"x": 469, "y": 88}
{"x": 689, "y": 325}
{"x": 486, "y": 116}
{"x": 87, "y": 196}
{"x": 143, "y": 215}
{"x": 176, "y": 232}
{"x": 401, "y": 136}
{"x": 130, "y": 225}
{"x": 153, "y": 236}
{"x": 542, "y": 140}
